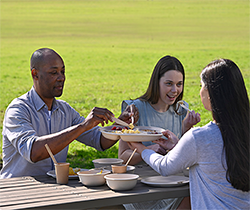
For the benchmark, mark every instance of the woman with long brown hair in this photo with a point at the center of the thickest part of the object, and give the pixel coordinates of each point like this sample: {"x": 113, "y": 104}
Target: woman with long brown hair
{"x": 158, "y": 107}
{"x": 217, "y": 154}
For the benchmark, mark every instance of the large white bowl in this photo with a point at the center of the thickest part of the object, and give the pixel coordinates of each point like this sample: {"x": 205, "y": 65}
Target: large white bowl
{"x": 147, "y": 133}
{"x": 93, "y": 177}
{"x": 102, "y": 162}
{"x": 120, "y": 182}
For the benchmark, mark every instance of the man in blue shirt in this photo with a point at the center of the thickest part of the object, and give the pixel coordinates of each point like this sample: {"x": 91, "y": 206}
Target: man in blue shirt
{"x": 37, "y": 118}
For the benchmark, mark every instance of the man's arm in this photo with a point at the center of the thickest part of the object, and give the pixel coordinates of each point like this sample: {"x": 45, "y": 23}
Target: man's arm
{"x": 60, "y": 140}
{"x": 56, "y": 142}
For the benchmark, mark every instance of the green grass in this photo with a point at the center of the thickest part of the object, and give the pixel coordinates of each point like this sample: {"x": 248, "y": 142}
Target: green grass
{"x": 110, "y": 48}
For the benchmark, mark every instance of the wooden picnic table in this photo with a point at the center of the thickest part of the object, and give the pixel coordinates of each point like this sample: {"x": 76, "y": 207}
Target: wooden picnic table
{"x": 42, "y": 192}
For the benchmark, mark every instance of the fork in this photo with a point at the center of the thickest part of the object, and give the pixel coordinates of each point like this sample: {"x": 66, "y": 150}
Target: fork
{"x": 132, "y": 117}
{"x": 182, "y": 105}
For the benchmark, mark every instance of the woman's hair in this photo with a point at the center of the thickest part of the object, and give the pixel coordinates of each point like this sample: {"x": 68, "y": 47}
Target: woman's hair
{"x": 230, "y": 110}
{"x": 166, "y": 63}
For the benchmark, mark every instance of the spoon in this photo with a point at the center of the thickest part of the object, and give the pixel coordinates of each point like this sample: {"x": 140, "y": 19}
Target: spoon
{"x": 51, "y": 154}
{"x": 131, "y": 156}
{"x": 132, "y": 117}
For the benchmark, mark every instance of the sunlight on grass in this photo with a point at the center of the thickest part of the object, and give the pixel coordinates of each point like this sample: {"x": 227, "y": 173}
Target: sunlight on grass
{"x": 110, "y": 48}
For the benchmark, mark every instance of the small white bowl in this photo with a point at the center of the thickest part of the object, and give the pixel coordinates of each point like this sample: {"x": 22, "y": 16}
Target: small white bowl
{"x": 130, "y": 169}
{"x": 102, "y": 162}
{"x": 93, "y": 177}
{"x": 120, "y": 182}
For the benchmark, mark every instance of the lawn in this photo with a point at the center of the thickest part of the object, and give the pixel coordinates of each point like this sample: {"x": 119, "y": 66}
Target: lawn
{"x": 110, "y": 48}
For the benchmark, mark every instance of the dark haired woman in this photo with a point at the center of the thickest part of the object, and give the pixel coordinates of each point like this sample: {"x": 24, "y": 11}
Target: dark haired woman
{"x": 217, "y": 154}
{"x": 157, "y": 107}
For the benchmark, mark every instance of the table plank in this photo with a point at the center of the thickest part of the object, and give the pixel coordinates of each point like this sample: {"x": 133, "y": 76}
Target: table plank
{"x": 42, "y": 192}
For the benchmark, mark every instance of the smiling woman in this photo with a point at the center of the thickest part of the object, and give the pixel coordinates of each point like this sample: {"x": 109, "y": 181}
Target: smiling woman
{"x": 158, "y": 107}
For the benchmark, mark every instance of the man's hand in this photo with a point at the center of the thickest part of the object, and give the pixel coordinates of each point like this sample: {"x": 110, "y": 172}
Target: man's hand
{"x": 96, "y": 116}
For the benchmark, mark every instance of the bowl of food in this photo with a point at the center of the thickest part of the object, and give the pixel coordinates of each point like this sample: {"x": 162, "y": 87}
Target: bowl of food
{"x": 122, "y": 169}
{"x": 106, "y": 162}
{"x": 93, "y": 177}
{"x": 119, "y": 182}
{"x": 137, "y": 134}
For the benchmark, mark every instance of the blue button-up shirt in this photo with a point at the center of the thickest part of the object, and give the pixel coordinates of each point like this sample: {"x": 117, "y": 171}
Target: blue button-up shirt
{"x": 27, "y": 118}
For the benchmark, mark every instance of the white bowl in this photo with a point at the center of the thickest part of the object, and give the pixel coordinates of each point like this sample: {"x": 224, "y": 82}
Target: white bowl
{"x": 147, "y": 133}
{"x": 121, "y": 181}
{"x": 102, "y": 162}
{"x": 93, "y": 177}
{"x": 130, "y": 169}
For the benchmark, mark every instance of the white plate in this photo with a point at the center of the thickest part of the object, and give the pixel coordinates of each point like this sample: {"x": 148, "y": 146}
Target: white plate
{"x": 104, "y": 162}
{"x": 130, "y": 169}
{"x": 53, "y": 174}
{"x": 165, "y": 181}
{"x": 107, "y": 132}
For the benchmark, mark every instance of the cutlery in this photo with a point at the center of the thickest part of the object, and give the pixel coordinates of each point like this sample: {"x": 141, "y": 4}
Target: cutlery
{"x": 131, "y": 156}
{"x": 51, "y": 154}
{"x": 120, "y": 122}
{"x": 132, "y": 117}
{"x": 181, "y": 103}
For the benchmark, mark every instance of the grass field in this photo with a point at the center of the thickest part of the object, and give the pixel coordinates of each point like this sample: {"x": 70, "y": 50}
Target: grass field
{"x": 111, "y": 46}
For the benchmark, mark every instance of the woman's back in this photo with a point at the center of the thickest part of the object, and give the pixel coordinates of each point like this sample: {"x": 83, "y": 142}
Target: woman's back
{"x": 208, "y": 184}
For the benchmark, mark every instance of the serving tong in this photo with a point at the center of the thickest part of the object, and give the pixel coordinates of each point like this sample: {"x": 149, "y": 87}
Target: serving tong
{"x": 120, "y": 122}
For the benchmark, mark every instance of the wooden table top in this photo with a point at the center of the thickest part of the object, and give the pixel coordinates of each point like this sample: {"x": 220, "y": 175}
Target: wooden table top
{"x": 43, "y": 192}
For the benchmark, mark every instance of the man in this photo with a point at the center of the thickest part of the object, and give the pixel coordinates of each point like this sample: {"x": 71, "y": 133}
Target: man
{"x": 37, "y": 118}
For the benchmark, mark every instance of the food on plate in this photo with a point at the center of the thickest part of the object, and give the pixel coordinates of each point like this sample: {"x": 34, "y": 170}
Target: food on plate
{"x": 151, "y": 131}
{"x": 128, "y": 131}
{"x": 124, "y": 130}
{"x": 118, "y": 128}
{"x": 73, "y": 171}
{"x": 131, "y": 126}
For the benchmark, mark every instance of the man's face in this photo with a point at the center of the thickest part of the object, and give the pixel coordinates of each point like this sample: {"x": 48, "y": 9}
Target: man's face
{"x": 50, "y": 77}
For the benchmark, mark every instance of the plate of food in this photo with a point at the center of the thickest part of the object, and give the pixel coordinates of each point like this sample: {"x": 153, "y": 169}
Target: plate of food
{"x": 137, "y": 134}
{"x": 166, "y": 181}
{"x": 72, "y": 172}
